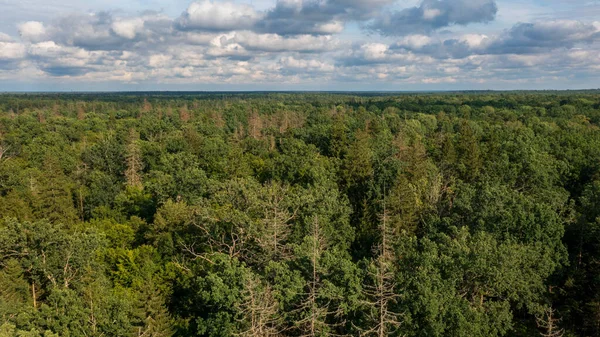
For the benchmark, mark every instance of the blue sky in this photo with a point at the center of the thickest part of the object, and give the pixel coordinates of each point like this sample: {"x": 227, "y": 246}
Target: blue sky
{"x": 299, "y": 45}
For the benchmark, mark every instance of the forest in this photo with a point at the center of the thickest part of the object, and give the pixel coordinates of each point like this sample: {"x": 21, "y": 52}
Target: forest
{"x": 300, "y": 214}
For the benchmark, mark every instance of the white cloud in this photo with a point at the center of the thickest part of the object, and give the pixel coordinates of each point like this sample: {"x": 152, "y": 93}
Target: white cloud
{"x": 278, "y": 43}
{"x": 5, "y": 38}
{"x": 218, "y": 16}
{"x": 11, "y": 51}
{"x": 160, "y": 60}
{"x": 128, "y": 28}
{"x": 416, "y": 41}
{"x": 227, "y": 42}
{"x": 430, "y": 14}
{"x": 311, "y": 65}
{"x": 32, "y": 31}
{"x": 333, "y": 27}
{"x": 474, "y": 40}
{"x": 375, "y": 51}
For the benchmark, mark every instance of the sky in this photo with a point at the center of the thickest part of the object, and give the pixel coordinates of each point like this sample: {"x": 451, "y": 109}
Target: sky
{"x": 342, "y": 45}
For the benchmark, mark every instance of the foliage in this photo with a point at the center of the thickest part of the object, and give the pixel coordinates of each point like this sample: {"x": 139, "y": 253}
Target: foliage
{"x": 272, "y": 214}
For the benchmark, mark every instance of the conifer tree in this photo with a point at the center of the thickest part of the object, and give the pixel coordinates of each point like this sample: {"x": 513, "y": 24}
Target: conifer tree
{"x": 14, "y": 290}
{"x": 381, "y": 292}
{"x": 260, "y": 315}
{"x": 184, "y": 114}
{"x": 80, "y": 112}
{"x": 133, "y": 161}
{"x": 153, "y": 317}
{"x": 547, "y": 322}
{"x": 275, "y": 224}
{"x": 315, "y": 315}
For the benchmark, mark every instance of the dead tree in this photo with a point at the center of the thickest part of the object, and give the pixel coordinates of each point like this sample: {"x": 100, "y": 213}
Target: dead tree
{"x": 259, "y": 310}
{"x": 4, "y": 151}
{"x": 547, "y": 322}
{"x": 216, "y": 238}
{"x": 316, "y": 320}
{"x": 275, "y": 225}
{"x": 381, "y": 293}
{"x": 133, "y": 161}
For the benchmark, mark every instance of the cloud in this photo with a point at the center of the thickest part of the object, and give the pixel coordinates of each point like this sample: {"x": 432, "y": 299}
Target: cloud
{"x": 521, "y": 39}
{"x": 5, "y": 38}
{"x": 432, "y": 15}
{"x": 291, "y": 63}
{"x": 374, "y": 53}
{"x": 128, "y": 28}
{"x": 526, "y": 38}
{"x": 290, "y": 17}
{"x": 218, "y": 16}
{"x": 57, "y": 60}
{"x": 294, "y": 42}
{"x": 60, "y": 71}
{"x": 277, "y": 43}
{"x": 32, "y": 31}
{"x": 12, "y": 51}
{"x": 105, "y": 31}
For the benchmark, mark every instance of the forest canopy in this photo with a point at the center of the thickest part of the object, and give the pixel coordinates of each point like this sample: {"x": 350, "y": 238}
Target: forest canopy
{"x": 300, "y": 214}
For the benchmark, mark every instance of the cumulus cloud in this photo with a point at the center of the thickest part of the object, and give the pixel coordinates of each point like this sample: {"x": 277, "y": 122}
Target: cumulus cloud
{"x": 11, "y": 51}
{"x": 311, "y": 65}
{"x": 296, "y": 41}
{"x": 432, "y": 15}
{"x": 541, "y": 36}
{"x": 32, "y": 31}
{"x": 128, "y": 28}
{"x": 218, "y": 16}
{"x": 521, "y": 39}
{"x": 105, "y": 31}
{"x": 317, "y": 17}
{"x": 278, "y": 43}
{"x": 375, "y": 53}
{"x": 5, "y": 38}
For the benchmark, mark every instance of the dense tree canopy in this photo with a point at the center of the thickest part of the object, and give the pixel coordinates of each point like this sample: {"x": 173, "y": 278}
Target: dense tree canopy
{"x": 457, "y": 214}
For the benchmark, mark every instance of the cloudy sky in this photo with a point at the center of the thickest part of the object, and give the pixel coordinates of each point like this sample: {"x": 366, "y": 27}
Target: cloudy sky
{"x": 299, "y": 44}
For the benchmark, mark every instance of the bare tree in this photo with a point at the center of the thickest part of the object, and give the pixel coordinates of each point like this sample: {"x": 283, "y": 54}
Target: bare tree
{"x": 381, "y": 293}
{"x": 133, "y": 161}
{"x": 255, "y": 125}
{"x": 184, "y": 113}
{"x": 547, "y": 322}
{"x": 316, "y": 315}
{"x": 216, "y": 239}
{"x": 275, "y": 225}
{"x": 4, "y": 148}
{"x": 259, "y": 310}
{"x": 80, "y": 111}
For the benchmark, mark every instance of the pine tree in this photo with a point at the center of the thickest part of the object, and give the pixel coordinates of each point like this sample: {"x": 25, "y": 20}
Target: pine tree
{"x": 259, "y": 310}
{"x": 315, "y": 315}
{"x": 14, "y": 290}
{"x": 381, "y": 293}
{"x": 255, "y": 125}
{"x": 52, "y": 193}
{"x": 275, "y": 225}
{"x": 80, "y": 112}
{"x": 184, "y": 113}
{"x": 56, "y": 110}
{"x": 41, "y": 117}
{"x": 147, "y": 107}
{"x": 547, "y": 322}
{"x": 133, "y": 161}
{"x": 151, "y": 313}
{"x": 4, "y": 148}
